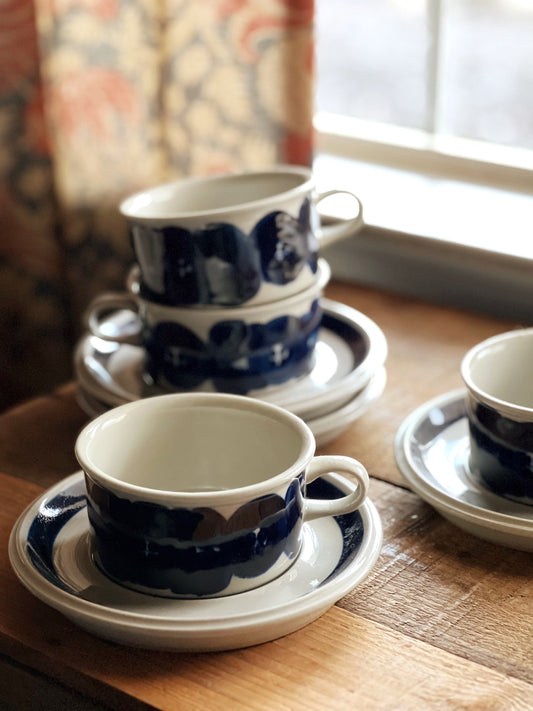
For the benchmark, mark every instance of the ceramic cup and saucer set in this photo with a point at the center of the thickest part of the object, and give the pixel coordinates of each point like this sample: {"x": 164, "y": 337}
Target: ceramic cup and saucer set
{"x": 226, "y": 295}
{"x": 202, "y": 518}
{"x": 199, "y": 522}
{"x": 469, "y": 453}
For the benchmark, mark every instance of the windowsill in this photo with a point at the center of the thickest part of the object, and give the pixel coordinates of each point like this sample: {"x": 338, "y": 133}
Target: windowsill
{"x": 454, "y": 242}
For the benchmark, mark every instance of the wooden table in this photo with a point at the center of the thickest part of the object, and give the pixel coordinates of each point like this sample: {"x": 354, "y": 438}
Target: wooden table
{"x": 444, "y": 621}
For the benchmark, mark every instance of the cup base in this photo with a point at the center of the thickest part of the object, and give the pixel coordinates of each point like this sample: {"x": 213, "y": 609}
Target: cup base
{"x": 236, "y": 586}
{"x": 487, "y": 471}
{"x": 495, "y": 486}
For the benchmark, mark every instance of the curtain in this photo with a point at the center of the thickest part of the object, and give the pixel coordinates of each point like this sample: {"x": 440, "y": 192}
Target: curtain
{"x": 99, "y": 98}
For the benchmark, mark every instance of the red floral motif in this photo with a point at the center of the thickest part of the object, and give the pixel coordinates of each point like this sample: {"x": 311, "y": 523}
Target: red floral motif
{"x": 229, "y": 7}
{"x": 290, "y": 14}
{"x": 89, "y": 97}
{"x": 104, "y": 9}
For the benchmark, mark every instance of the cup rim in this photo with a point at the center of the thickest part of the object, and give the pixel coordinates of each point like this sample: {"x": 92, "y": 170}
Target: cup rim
{"x": 127, "y": 206}
{"x": 519, "y": 413}
{"x": 208, "y": 311}
{"x": 187, "y": 498}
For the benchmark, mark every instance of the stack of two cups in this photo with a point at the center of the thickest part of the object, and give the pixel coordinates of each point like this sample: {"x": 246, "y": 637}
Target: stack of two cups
{"x": 194, "y": 494}
{"x": 227, "y": 285}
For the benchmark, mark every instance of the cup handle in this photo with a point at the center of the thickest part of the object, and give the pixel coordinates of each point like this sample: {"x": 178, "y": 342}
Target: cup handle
{"x": 105, "y": 304}
{"x": 343, "y": 228}
{"x": 316, "y": 508}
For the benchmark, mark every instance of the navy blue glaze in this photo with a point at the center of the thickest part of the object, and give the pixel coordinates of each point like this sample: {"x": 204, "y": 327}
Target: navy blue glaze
{"x": 351, "y": 524}
{"x": 131, "y": 541}
{"x": 515, "y": 434}
{"x": 61, "y": 508}
{"x": 220, "y": 264}
{"x": 501, "y": 452}
{"x": 238, "y": 357}
{"x": 46, "y": 526}
{"x": 352, "y": 334}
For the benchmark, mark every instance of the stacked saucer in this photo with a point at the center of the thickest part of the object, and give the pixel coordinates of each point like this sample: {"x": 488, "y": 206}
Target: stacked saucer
{"x": 347, "y": 373}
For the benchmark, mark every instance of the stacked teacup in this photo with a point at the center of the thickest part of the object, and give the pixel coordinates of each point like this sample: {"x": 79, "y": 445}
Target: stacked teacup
{"x": 227, "y": 283}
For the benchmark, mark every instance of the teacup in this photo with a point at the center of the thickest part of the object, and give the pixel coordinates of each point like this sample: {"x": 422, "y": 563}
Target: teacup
{"x": 244, "y": 238}
{"x": 203, "y": 494}
{"x": 499, "y": 379}
{"x": 228, "y": 350}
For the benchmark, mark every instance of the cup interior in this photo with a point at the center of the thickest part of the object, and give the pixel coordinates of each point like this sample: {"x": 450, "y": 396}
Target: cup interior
{"x": 201, "y": 195}
{"x": 501, "y": 369}
{"x": 175, "y": 447}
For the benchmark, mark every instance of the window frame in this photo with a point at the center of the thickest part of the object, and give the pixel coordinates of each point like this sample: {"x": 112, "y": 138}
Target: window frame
{"x": 424, "y": 262}
{"x": 425, "y": 152}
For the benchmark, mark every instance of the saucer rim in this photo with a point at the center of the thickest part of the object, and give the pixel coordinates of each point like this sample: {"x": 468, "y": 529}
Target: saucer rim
{"x": 329, "y": 425}
{"x": 327, "y": 395}
{"x": 519, "y": 529}
{"x": 252, "y": 626}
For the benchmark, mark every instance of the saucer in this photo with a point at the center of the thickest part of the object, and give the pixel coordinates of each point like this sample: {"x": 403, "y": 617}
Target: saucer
{"x": 49, "y": 552}
{"x": 331, "y": 425}
{"x": 432, "y": 450}
{"x": 350, "y": 349}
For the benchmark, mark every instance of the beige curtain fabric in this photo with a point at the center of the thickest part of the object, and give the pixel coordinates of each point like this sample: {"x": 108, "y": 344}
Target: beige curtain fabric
{"x": 99, "y": 98}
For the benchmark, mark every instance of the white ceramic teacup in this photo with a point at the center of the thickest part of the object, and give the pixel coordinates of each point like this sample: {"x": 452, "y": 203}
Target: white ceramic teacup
{"x": 498, "y": 374}
{"x": 195, "y": 495}
{"x": 226, "y": 350}
{"x": 233, "y": 239}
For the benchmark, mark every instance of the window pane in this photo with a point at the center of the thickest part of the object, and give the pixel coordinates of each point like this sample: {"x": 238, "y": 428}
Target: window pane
{"x": 487, "y": 71}
{"x": 374, "y": 62}
{"x": 371, "y": 59}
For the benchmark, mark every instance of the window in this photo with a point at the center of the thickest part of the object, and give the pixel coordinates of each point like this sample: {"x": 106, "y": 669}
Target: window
{"x": 456, "y": 67}
{"x": 426, "y": 108}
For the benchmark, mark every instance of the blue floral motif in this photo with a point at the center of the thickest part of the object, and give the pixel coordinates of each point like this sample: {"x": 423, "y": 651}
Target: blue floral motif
{"x": 133, "y": 546}
{"x": 220, "y": 264}
{"x": 285, "y": 244}
{"x": 238, "y": 357}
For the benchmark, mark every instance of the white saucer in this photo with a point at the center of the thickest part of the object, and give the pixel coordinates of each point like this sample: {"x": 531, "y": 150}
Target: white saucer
{"x": 49, "y": 552}
{"x": 351, "y": 348}
{"x": 331, "y": 425}
{"x": 432, "y": 448}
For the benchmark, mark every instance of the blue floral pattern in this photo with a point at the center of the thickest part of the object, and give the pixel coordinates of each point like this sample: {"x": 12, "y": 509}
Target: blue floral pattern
{"x": 133, "y": 540}
{"x": 238, "y": 357}
{"x": 220, "y": 264}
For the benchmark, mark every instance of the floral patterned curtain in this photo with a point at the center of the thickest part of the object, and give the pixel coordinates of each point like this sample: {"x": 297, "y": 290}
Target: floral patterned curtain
{"x": 99, "y": 98}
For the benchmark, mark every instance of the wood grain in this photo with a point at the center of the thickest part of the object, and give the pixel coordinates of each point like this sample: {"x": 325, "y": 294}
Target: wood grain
{"x": 37, "y": 437}
{"x": 436, "y": 583}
